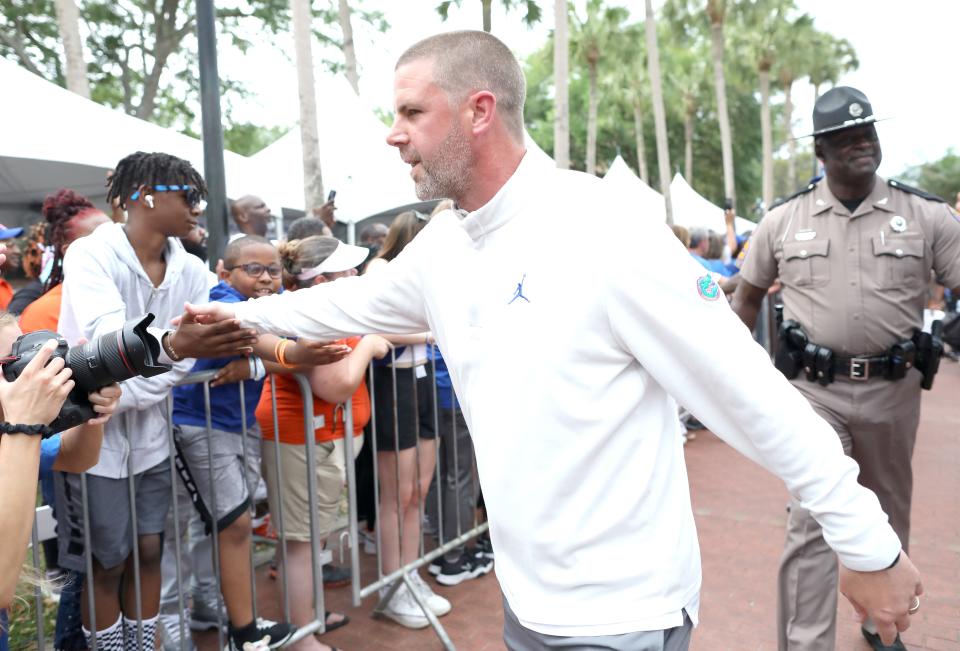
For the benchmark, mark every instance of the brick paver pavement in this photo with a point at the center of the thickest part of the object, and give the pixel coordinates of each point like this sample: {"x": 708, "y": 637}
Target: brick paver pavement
{"x": 740, "y": 517}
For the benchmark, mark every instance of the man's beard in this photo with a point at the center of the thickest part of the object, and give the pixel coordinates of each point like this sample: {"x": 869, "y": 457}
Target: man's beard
{"x": 446, "y": 175}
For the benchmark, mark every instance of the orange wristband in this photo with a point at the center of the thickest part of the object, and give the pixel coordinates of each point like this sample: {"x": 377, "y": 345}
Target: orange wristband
{"x": 280, "y": 352}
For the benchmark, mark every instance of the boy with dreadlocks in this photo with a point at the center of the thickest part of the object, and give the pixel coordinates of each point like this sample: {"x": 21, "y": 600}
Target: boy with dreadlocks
{"x": 118, "y": 272}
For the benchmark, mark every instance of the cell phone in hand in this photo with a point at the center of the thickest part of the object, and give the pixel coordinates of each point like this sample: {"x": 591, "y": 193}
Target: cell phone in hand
{"x": 332, "y": 195}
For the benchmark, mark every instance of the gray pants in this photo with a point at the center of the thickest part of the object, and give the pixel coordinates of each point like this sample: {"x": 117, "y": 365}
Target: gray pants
{"x": 459, "y": 494}
{"x": 877, "y": 424}
{"x": 196, "y": 557}
{"x": 519, "y": 638}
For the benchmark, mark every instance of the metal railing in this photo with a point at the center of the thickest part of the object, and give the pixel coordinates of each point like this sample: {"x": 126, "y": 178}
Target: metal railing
{"x": 387, "y": 583}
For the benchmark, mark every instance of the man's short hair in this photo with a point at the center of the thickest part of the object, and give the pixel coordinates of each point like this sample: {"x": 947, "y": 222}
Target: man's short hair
{"x": 467, "y": 61}
{"x": 371, "y": 231}
{"x": 306, "y": 226}
{"x": 231, "y": 254}
{"x": 698, "y": 235}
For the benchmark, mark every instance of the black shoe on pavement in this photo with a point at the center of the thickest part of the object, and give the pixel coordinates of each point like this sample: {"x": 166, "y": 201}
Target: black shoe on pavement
{"x": 877, "y": 644}
{"x": 336, "y": 577}
{"x": 485, "y": 546}
{"x": 468, "y": 567}
{"x": 260, "y": 635}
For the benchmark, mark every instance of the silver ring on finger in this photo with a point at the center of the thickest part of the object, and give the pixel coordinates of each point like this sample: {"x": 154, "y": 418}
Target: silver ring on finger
{"x": 915, "y": 606}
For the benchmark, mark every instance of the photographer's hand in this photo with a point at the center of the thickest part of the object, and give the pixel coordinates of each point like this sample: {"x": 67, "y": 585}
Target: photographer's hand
{"x": 37, "y": 395}
{"x": 104, "y": 402}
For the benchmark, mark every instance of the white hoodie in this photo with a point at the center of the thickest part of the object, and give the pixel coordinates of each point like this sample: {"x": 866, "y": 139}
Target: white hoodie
{"x": 567, "y": 320}
{"x": 104, "y": 286}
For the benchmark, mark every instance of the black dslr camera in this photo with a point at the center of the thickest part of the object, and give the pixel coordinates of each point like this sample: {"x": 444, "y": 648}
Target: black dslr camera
{"x": 112, "y": 357}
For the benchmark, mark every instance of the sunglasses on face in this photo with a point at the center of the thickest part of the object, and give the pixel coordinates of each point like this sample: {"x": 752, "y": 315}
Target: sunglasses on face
{"x": 255, "y": 269}
{"x": 190, "y": 193}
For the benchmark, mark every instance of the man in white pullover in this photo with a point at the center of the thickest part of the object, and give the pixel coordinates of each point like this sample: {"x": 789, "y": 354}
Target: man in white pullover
{"x": 564, "y": 349}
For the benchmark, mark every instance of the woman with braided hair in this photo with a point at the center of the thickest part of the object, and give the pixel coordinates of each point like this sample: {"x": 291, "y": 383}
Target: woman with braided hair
{"x": 69, "y": 216}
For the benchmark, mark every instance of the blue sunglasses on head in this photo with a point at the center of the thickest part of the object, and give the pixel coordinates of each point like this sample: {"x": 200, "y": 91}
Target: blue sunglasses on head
{"x": 192, "y": 195}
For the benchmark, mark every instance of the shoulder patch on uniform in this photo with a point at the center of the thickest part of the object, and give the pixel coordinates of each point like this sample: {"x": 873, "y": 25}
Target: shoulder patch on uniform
{"x": 708, "y": 288}
{"x": 893, "y": 183}
{"x": 799, "y": 193}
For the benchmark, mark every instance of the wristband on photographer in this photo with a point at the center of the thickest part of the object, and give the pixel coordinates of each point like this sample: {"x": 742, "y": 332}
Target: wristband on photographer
{"x": 34, "y": 430}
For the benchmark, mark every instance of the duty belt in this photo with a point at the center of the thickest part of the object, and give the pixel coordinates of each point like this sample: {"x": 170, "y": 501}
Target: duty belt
{"x": 861, "y": 368}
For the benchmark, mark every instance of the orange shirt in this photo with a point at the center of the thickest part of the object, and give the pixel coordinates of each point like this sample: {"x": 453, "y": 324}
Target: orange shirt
{"x": 43, "y": 313}
{"x": 6, "y": 293}
{"x": 290, "y": 410}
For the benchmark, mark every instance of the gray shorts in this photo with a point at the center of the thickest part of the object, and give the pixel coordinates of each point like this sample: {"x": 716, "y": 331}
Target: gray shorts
{"x": 111, "y": 524}
{"x": 519, "y": 638}
{"x": 235, "y": 472}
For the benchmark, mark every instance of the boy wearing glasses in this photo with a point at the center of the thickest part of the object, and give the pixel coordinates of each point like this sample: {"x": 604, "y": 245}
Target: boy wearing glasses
{"x": 251, "y": 268}
{"x": 118, "y": 272}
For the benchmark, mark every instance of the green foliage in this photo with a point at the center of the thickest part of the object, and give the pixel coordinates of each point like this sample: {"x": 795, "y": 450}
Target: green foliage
{"x": 247, "y": 139}
{"x": 532, "y": 15}
{"x": 142, "y": 57}
{"x": 940, "y": 177}
{"x": 687, "y": 78}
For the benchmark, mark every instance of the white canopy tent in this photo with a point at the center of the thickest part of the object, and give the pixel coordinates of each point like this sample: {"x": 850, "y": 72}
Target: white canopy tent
{"x": 694, "y": 211}
{"x": 637, "y": 195}
{"x": 54, "y": 138}
{"x": 355, "y": 160}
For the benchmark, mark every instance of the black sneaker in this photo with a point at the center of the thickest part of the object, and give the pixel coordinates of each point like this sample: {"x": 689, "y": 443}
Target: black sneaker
{"x": 485, "y": 546}
{"x": 468, "y": 567}
{"x": 260, "y": 635}
{"x": 877, "y": 644}
{"x": 335, "y": 576}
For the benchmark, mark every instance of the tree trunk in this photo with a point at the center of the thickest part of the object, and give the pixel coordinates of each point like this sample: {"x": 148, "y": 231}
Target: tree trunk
{"x": 766, "y": 137}
{"x": 302, "y": 34}
{"x": 659, "y": 116}
{"x": 68, "y": 19}
{"x": 688, "y": 145}
{"x": 641, "y": 149}
{"x": 791, "y": 143}
{"x": 486, "y": 15}
{"x": 723, "y": 117}
{"x": 349, "y": 54}
{"x": 561, "y": 100}
{"x": 816, "y": 163}
{"x": 592, "y": 120}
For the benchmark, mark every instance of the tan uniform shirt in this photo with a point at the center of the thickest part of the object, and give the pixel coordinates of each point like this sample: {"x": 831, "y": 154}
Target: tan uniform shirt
{"x": 857, "y": 283}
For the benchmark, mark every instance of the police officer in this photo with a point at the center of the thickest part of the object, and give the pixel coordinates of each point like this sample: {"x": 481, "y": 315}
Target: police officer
{"x": 854, "y": 254}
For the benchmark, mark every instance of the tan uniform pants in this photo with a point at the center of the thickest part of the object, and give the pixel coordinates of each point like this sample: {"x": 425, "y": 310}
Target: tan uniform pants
{"x": 877, "y": 423}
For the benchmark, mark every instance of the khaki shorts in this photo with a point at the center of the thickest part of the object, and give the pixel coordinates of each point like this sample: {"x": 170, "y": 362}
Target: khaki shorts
{"x": 287, "y": 494}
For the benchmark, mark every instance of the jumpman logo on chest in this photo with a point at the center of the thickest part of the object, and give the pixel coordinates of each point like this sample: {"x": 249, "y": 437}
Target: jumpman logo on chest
{"x": 518, "y": 292}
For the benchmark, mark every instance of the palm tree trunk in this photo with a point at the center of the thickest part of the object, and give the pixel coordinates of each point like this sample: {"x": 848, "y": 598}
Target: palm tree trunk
{"x": 723, "y": 117}
{"x": 68, "y": 19}
{"x": 592, "y": 121}
{"x": 688, "y": 145}
{"x": 349, "y": 54}
{"x": 815, "y": 163}
{"x": 766, "y": 138}
{"x": 561, "y": 100}
{"x": 302, "y": 33}
{"x": 486, "y": 15}
{"x": 659, "y": 115}
{"x": 791, "y": 143}
{"x": 641, "y": 149}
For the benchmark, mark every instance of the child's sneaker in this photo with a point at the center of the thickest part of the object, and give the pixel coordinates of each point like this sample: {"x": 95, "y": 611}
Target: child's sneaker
{"x": 260, "y": 635}
{"x": 467, "y": 567}
{"x": 437, "y": 604}
{"x": 404, "y": 610}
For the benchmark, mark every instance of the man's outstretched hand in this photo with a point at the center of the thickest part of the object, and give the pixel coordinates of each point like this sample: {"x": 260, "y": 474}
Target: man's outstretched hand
{"x": 209, "y": 330}
{"x": 884, "y": 596}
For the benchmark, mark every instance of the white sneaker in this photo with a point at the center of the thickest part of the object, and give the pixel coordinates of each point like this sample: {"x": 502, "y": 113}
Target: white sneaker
{"x": 437, "y": 604}
{"x": 369, "y": 542}
{"x": 404, "y": 610}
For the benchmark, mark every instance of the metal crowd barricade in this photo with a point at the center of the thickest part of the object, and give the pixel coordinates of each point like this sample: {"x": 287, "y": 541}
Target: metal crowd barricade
{"x": 391, "y": 581}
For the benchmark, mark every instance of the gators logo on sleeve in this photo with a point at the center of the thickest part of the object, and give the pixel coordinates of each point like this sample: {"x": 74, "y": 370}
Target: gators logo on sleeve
{"x": 708, "y": 288}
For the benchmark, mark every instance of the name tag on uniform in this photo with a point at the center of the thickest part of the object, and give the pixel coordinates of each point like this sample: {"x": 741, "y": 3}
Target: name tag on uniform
{"x": 804, "y": 236}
